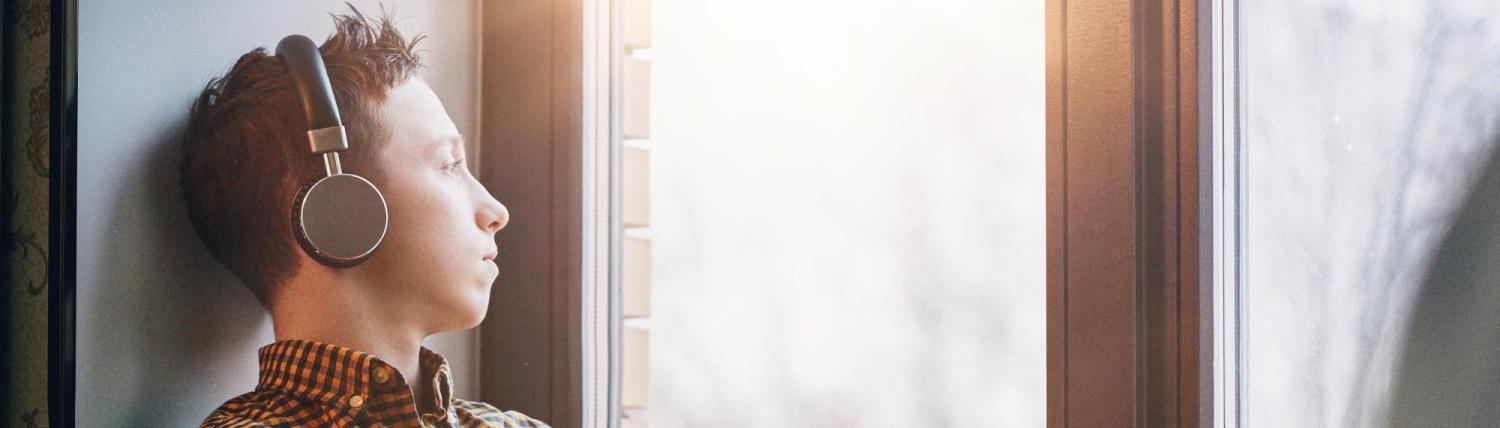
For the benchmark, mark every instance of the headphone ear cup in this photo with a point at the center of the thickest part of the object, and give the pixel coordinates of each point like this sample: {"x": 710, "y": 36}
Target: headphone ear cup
{"x": 340, "y": 220}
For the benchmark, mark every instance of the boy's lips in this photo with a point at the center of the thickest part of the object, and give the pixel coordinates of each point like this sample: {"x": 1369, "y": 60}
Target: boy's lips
{"x": 490, "y": 256}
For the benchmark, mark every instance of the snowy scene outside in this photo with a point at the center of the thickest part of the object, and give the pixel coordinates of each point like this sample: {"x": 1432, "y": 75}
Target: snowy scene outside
{"x": 1366, "y": 124}
{"x": 847, "y": 213}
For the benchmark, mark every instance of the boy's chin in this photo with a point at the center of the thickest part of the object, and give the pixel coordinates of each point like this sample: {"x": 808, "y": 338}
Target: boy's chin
{"x": 464, "y": 315}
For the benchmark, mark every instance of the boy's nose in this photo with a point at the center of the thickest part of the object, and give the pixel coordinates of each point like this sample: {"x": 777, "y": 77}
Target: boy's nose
{"x": 493, "y": 215}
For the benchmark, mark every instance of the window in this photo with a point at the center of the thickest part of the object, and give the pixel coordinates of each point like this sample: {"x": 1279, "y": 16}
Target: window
{"x": 831, "y": 214}
{"x": 1361, "y": 128}
{"x": 802, "y": 208}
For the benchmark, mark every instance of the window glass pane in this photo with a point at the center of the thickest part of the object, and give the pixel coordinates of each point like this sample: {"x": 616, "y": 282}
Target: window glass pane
{"x": 846, "y": 217}
{"x": 1364, "y": 127}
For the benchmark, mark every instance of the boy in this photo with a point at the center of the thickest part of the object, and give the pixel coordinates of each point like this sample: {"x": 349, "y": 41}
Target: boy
{"x": 348, "y": 340}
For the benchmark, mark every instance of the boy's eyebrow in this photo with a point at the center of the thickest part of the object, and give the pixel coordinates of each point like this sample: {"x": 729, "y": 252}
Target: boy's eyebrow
{"x": 446, "y": 140}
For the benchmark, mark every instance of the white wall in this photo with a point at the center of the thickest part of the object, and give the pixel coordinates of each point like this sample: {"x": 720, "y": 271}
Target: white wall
{"x": 165, "y": 334}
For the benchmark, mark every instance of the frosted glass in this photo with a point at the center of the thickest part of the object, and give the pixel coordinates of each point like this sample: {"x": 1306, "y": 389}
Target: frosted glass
{"x": 1365, "y": 124}
{"x": 847, "y": 203}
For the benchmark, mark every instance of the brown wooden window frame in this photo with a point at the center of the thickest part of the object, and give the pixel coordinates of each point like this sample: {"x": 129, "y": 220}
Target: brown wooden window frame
{"x": 1129, "y": 290}
{"x": 531, "y": 120}
{"x": 1129, "y": 303}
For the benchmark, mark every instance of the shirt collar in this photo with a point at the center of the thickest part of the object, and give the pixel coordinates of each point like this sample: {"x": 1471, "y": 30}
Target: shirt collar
{"x": 334, "y": 374}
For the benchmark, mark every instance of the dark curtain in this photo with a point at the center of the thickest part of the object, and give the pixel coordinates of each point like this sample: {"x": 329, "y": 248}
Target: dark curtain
{"x": 24, "y": 166}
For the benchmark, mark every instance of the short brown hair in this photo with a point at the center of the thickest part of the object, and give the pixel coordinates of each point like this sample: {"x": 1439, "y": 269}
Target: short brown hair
{"x": 245, "y": 149}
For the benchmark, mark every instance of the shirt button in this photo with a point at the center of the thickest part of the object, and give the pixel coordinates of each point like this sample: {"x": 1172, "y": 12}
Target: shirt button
{"x": 381, "y": 375}
{"x": 356, "y": 401}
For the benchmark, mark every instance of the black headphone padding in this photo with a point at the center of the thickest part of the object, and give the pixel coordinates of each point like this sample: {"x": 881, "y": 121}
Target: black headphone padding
{"x": 305, "y": 64}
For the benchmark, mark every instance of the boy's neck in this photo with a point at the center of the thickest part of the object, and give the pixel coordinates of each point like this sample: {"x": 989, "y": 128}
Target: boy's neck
{"x": 349, "y": 322}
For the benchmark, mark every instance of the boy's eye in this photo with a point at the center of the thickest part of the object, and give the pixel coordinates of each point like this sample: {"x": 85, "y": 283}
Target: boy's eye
{"x": 452, "y": 165}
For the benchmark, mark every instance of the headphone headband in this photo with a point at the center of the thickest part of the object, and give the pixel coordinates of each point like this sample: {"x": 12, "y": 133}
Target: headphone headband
{"x": 339, "y": 219}
{"x": 305, "y": 64}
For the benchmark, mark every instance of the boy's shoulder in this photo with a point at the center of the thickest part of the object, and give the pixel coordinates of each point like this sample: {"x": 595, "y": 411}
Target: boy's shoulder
{"x": 253, "y": 409}
{"x": 478, "y": 410}
{"x": 250, "y": 409}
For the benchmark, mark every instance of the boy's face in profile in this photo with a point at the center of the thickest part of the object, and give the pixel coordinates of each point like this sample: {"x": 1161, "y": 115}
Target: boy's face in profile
{"x": 436, "y": 263}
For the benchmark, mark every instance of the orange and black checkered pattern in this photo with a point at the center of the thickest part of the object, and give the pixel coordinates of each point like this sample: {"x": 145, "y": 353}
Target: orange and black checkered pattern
{"x": 312, "y": 384}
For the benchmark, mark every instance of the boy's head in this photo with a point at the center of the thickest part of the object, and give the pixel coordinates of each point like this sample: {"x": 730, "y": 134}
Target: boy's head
{"x": 245, "y": 154}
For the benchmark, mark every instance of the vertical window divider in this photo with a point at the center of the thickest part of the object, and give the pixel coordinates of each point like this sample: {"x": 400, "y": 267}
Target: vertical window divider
{"x": 1128, "y": 308}
{"x": 1225, "y": 191}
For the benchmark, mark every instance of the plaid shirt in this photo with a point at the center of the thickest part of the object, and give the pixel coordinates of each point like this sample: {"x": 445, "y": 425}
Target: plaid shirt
{"x": 307, "y": 383}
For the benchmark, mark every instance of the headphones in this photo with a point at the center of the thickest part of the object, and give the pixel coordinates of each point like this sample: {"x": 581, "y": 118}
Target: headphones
{"x": 339, "y": 219}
